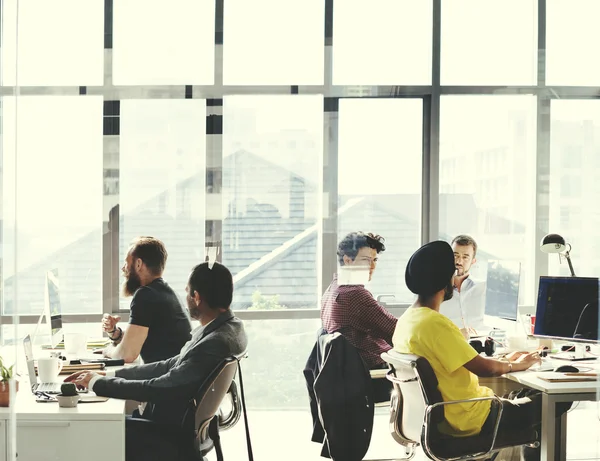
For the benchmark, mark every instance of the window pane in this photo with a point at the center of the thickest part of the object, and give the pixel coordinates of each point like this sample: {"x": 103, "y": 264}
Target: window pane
{"x": 379, "y": 182}
{"x": 489, "y": 43}
{"x": 272, "y": 156}
{"x": 270, "y": 42}
{"x": 487, "y": 179}
{"x": 574, "y": 191}
{"x": 159, "y": 45}
{"x": 58, "y": 201}
{"x": 371, "y": 48}
{"x": 48, "y": 53}
{"x": 572, "y": 35}
{"x": 162, "y": 183}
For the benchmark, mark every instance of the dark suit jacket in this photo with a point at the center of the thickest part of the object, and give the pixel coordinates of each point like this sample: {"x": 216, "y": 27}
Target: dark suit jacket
{"x": 169, "y": 385}
{"x": 339, "y": 389}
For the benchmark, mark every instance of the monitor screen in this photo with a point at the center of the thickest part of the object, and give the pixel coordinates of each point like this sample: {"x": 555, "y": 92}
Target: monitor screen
{"x": 502, "y": 289}
{"x": 52, "y": 308}
{"x": 567, "y": 308}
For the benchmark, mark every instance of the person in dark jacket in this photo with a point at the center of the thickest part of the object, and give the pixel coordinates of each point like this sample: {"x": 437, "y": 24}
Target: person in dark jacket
{"x": 169, "y": 385}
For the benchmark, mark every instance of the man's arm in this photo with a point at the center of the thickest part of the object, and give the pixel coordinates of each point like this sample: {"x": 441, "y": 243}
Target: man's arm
{"x": 367, "y": 315}
{"x": 130, "y": 345}
{"x": 490, "y": 367}
{"x": 147, "y": 370}
{"x": 183, "y": 379}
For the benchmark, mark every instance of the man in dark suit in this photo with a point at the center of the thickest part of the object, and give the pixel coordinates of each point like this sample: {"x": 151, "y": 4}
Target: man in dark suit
{"x": 169, "y": 385}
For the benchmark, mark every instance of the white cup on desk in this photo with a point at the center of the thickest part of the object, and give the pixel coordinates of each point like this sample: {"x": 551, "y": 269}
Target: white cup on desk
{"x": 49, "y": 368}
{"x": 75, "y": 343}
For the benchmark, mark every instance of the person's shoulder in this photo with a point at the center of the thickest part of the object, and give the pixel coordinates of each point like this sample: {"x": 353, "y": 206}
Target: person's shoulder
{"x": 144, "y": 294}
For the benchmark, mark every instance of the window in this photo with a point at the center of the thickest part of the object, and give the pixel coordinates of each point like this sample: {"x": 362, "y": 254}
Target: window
{"x": 271, "y": 199}
{"x": 489, "y": 42}
{"x": 159, "y": 45}
{"x": 383, "y": 45}
{"x": 492, "y": 141}
{"x": 572, "y": 33}
{"x": 575, "y": 125}
{"x": 162, "y": 185}
{"x": 55, "y": 188}
{"x": 273, "y": 42}
{"x": 379, "y": 182}
{"x": 48, "y": 54}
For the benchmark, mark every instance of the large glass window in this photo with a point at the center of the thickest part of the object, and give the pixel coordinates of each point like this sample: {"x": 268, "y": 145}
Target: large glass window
{"x": 159, "y": 44}
{"x": 379, "y": 182}
{"x": 273, "y": 42}
{"x": 572, "y": 34}
{"x": 487, "y": 178}
{"x": 162, "y": 181}
{"x": 272, "y": 169}
{"x": 383, "y": 45}
{"x": 59, "y": 42}
{"x": 489, "y": 42}
{"x": 574, "y": 191}
{"x": 55, "y": 191}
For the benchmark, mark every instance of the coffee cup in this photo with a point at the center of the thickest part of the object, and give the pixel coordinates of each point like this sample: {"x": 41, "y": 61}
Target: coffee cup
{"x": 49, "y": 368}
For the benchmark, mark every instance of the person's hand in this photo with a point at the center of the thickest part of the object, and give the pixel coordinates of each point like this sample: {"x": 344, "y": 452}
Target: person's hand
{"x": 529, "y": 359}
{"x": 513, "y": 356}
{"x": 82, "y": 378}
{"x": 109, "y": 322}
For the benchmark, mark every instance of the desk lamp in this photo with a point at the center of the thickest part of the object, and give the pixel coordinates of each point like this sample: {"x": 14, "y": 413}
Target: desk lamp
{"x": 554, "y": 243}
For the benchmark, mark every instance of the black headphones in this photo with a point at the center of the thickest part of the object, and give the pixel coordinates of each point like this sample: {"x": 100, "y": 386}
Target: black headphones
{"x": 488, "y": 346}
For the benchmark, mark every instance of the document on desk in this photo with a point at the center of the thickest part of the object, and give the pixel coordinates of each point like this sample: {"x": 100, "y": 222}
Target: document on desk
{"x": 568, "y": 377}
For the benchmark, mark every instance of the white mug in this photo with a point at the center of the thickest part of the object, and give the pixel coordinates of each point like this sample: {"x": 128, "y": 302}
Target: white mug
{"x": 49, "y": 368}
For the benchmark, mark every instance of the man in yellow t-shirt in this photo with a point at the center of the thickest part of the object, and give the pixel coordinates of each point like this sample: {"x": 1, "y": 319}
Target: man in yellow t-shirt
{"x": 423, "y": 331}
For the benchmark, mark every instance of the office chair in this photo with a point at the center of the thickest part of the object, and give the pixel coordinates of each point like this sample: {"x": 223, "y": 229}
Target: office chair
{"x": 417, "y": 411}
{"x": 206, "y": 418}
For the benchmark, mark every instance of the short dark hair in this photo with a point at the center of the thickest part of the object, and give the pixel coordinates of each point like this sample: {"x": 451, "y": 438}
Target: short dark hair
{"x": 214, "y": 285}
{"x": 152, "y": 252}
{"x": 465, "y": 240}
{"x": 354, "y": 241}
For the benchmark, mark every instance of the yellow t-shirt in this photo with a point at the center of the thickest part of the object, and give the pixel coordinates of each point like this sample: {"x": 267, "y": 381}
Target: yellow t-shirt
{"x": 429, "y": 334}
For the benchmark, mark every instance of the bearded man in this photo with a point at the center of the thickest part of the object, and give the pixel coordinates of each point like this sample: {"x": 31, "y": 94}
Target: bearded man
{"x": 158, "y": 324}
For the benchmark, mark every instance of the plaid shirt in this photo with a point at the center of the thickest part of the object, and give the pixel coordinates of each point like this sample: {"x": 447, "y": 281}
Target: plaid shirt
{"x": 368, "y": 326}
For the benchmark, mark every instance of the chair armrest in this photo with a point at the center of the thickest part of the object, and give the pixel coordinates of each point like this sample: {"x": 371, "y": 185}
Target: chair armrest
{"x": 379, "y": 373}
{"x": 430, "y": 408}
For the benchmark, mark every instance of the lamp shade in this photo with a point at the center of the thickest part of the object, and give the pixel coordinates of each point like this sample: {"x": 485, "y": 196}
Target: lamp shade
{"x": 553, "y": 243}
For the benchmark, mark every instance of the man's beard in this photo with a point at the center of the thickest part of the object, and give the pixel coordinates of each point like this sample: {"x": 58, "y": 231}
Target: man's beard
{"x": 448, "y": 291}
{"x": 131, "y": 284}
{"x": 460, "y": 271}
{"x": 192, "y": 308}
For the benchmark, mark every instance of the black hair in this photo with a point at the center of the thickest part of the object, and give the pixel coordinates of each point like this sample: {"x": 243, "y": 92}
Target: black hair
{"x": 213, "y": 285}
{"x": 354, "y": 241}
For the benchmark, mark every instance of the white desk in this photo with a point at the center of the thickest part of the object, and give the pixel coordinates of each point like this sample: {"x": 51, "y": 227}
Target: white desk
{"x": 46, "y": 432}
{"x": 553, "y": 393}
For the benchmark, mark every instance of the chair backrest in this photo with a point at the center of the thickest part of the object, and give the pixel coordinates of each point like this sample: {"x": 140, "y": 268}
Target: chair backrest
{"x": 415, "y": 384}
{"x": 210, "y": 395}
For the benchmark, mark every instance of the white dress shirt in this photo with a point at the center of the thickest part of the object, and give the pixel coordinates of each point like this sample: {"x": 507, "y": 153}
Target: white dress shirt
{"x": 467, "y": 306}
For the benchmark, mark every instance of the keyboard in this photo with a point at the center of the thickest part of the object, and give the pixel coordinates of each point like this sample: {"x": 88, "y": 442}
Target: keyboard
{"x": 49, "y": 388}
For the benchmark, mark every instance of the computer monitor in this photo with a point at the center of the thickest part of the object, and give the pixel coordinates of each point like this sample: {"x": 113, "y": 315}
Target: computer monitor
{"x": 502, "y": 289}
{"x": 567, "y": 308}
{"x": 52, "y": 309}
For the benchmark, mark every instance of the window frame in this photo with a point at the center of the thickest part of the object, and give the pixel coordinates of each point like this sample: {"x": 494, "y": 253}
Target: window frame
{"x": 327, "y": 242}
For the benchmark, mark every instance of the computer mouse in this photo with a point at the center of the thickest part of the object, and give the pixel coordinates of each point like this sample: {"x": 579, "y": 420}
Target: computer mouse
{"x": 566, "y": 369}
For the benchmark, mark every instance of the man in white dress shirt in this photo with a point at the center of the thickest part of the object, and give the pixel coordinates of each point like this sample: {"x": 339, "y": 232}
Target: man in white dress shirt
{"x": 466, "y": 308}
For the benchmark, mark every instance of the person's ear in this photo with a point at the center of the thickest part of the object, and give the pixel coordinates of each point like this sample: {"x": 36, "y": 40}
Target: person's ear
{"x": 196, "y": 298}
{"x": 347, "y": 260}
{"x": 474, "y": 261}
{"x": 138, "y": 264}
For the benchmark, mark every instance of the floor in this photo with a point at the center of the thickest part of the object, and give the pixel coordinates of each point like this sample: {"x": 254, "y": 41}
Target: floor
{"x": 278, "y": 435}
